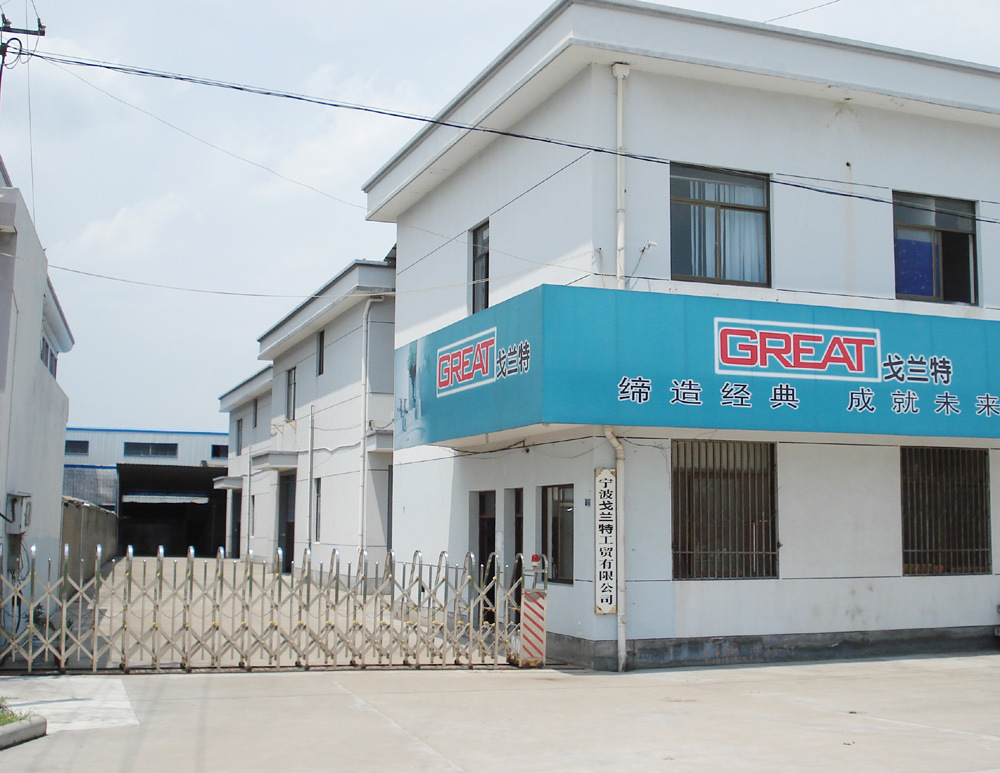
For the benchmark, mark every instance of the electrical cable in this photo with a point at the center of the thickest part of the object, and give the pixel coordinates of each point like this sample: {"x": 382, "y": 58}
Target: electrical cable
{"x": 339, "y": 104}
{"x": 804, "y": 10}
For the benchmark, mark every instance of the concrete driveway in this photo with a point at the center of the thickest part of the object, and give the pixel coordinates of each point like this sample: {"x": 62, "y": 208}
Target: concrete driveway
{"x": 931, "y": 714}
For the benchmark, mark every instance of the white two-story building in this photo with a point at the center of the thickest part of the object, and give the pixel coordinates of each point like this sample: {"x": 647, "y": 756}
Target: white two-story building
{"x": 311, "y": 434}
{"x": 33, "y": 407}
{"x": 720, "y": 341}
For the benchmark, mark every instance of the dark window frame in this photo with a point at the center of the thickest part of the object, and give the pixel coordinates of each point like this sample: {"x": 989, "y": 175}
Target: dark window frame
{"x": 290, "y": 394}
{"x": 320, "y": 352}
{"x": 150, "y": 450}
{"x": 686, "y": 170}
{"x": 480, "y": 237}
{"x": 77, "y": 444}
{"x": 938, "y": 206}
{"x": 554, "y": 526}
{"x": 317, "y": 506}
{"x": 724, "y": 522}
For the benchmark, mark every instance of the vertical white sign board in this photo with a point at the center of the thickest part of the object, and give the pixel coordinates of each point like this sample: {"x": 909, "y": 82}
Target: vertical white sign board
{"x": 605, "y": 536}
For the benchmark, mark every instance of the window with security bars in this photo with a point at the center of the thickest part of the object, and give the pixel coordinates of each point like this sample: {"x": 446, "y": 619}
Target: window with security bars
{"x": 946, "y": 512}
{"x": 723, "y": 510}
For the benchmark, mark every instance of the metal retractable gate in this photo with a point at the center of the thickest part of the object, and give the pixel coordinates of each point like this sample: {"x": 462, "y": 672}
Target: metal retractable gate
{"x": 188, "y": 613}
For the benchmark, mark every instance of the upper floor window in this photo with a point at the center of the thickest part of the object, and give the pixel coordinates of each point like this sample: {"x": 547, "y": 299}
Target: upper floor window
{"x": 220, "y": 451}
{"x": 290, "y": 394}
{"x": 49, "y": 356}
{"x": 150, "y": 449}
{"x": 256, "y": 410}
{"x": 81, "y": 447}
{"x": 935, "y": 242}
{"x": 718, "y": 226}
{"x": 320, "y": 352}
{"x": 481, "y": 267}
{"x": 238, "y": 436}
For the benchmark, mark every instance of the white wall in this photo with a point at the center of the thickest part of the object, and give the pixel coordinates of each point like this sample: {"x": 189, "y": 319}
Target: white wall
{"x": 34, "y": 407}
{"x": 840, "y": 563}
{"x": 331, "y": 402}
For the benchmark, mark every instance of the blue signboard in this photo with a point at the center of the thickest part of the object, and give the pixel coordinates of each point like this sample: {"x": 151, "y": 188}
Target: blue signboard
{"x": 589, "y": 356}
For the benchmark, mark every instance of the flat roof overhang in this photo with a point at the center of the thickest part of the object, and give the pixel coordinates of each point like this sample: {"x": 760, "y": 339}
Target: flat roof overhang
{"x": 281, "y": 461}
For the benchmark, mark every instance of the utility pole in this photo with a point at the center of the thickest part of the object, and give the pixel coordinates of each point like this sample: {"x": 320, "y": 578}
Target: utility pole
{"x": 5, "y": 27}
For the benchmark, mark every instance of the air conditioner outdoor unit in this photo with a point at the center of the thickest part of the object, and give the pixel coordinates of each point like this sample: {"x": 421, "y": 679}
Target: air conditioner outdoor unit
{"x": 18, "y": 515}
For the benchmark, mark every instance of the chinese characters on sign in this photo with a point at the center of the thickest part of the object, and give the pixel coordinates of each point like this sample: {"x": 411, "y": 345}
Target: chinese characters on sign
{"x": 635, "y": 389}
{"x": 513, "y": 359}
{"x": 605, "y": 536}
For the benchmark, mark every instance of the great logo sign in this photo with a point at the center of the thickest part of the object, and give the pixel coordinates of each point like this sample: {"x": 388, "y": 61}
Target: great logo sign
{"x": 467, "y": 363}
{"x": 792, "y": 350}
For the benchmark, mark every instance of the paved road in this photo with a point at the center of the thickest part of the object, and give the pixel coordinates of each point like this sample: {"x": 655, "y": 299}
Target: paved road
{"x": 920, "y": 714}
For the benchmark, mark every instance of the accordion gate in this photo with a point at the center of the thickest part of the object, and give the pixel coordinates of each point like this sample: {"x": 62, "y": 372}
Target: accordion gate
{"x": 165, "y": 613}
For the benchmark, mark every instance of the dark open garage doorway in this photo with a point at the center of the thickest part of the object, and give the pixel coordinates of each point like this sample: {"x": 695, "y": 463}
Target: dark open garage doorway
{"x": 176, "y": 507}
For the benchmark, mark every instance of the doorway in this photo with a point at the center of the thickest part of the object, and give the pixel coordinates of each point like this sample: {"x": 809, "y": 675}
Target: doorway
{"x": 235, "y": 524}
{"x": 286, "y": 520}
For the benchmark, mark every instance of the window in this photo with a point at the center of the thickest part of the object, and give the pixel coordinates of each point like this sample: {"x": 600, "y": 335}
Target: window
{"x": 317, "y": 498}
{"x": 481, "y": 267}
{"x": 220, "y": 451}
{"x": 723, "y": 510}
{"x": 49, "y": 356}
{"x": 290, "y": 394}
{"x": 718, "y": 226}
{"x": 946, "y": 513}
{"x": 253, "y": 512}
{"x": 239, "y": 436}
{"x": 935, "y": 244}
{"x": 81, "y": 447}
{"x": 557, "y": 531}
{"x": 256, "y": 409}
{"x": 320, "y": 354}
{"x": 150, "y": 449}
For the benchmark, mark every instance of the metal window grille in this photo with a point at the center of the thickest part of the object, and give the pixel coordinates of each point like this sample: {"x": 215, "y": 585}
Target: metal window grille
{"x": 724, "y": 524}
{"x": 946, "y": 514}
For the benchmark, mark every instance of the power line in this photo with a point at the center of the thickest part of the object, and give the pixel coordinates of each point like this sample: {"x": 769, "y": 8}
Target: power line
{"x": 804, "y": 10}
{"x": 339, "y": 104}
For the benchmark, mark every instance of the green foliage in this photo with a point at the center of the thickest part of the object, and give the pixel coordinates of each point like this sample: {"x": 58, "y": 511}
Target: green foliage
{"x": 8, "y": 715}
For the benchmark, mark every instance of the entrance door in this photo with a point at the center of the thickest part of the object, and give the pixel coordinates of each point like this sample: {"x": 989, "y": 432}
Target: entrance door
{"x": 517, "y": 573}
{"x": 286, "y": 520}
{"x": 487, "y": 518}
{"x": 235, "y": 524}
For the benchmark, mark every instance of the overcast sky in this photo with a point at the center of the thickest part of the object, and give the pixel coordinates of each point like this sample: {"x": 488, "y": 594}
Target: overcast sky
{"x": 117, "y": 190}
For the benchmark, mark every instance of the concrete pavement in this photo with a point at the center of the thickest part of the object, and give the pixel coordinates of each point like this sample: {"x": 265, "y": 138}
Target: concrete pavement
{"x": 919, "y": 714}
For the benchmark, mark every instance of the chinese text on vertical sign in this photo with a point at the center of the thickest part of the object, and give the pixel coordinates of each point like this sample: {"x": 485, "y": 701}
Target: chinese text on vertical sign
{"x": 605, "y": 535}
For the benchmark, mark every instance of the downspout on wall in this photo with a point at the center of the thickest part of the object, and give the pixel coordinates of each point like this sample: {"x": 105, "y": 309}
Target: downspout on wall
{"x": 620, "y": 71}
{"x": 362, "y": 521}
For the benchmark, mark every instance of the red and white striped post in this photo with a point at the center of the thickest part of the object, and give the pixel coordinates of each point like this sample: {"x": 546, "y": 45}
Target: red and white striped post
{"x": 533, "y": 624}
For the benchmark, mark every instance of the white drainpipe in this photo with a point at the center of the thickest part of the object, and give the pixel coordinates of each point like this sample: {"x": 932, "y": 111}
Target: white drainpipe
{"x": 312, "y": 443}
{"x": 620, "y": 541}
{"x": 620, "y": 71}
{"x": 364, "y": 421}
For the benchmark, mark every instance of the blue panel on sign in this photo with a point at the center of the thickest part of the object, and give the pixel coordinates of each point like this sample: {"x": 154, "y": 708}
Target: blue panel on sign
{"x": 652, "y": 359}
